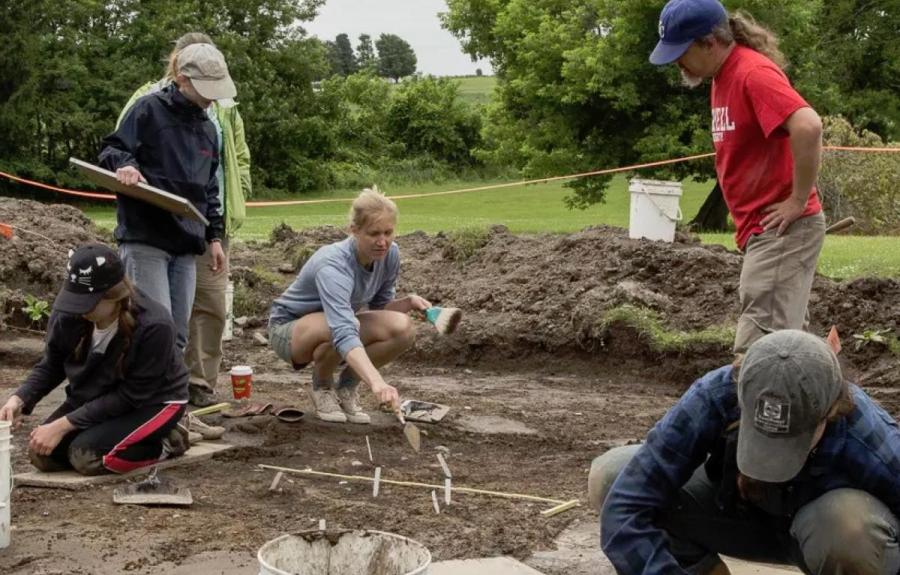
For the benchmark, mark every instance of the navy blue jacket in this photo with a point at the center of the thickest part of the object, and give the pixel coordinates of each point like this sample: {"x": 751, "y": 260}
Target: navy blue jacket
{"x": 860, "y": 451}
{"x": 171, "y": 141}
{"x": 153, "y": 370}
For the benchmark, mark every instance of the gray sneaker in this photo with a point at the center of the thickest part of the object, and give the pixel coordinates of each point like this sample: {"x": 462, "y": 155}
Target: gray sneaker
{"x": 348, "y": 397}
{"x": 326, "y": 404}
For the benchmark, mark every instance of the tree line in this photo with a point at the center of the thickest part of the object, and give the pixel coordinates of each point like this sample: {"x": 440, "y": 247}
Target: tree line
{"x": 575, "y": 91}
{"x": 389, "y": 57}
{"x": 68, "y": 66}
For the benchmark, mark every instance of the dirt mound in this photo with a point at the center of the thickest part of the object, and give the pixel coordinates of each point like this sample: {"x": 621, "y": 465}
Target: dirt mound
{"x": 594, "y": 294}
{"x": 32, "y": 261}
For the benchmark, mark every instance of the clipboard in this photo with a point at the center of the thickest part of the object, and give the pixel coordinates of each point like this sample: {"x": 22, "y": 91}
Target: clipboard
{"x": 140, "y": 191}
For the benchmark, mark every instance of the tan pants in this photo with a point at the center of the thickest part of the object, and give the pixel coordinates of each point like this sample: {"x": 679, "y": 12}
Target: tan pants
{"x": 776, "y": 279}
{"x": 203, "y": 354}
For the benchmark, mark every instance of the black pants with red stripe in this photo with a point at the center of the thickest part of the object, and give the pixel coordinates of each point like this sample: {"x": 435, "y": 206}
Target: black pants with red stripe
{"x": 118, "y": 445}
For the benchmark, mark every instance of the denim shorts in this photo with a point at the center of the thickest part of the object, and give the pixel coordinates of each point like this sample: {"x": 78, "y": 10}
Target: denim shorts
{"x": 280, "y": 342}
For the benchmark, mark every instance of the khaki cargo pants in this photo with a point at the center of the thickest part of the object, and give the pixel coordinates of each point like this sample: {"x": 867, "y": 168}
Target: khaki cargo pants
{"x": 203, "y": 354}
{"x": 776, "y": 279}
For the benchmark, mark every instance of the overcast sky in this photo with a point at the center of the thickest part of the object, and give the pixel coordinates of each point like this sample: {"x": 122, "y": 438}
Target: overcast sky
{"x": 416, "y": 21}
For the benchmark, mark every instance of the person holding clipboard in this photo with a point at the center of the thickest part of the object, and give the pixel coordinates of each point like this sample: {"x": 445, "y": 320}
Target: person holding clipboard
{"x": 167, "y": 140}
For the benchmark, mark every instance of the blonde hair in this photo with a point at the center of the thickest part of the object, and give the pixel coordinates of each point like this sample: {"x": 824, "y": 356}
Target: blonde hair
{"x": 742, "y": 28}
{"x": 369, "y": 204}
{"x": 180, "y": 44}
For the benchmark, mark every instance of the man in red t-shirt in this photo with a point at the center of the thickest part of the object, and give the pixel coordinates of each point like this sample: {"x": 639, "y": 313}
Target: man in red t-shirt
{"x": 768, "y": 144}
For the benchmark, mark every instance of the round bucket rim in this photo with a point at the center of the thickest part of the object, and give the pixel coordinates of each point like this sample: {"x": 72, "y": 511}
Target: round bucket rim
{"x": 266, "y": 564}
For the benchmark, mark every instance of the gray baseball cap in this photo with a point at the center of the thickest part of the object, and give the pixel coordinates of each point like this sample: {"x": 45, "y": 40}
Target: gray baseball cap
{"x": 206, "y": 68}
{"x": 788, "y": 382}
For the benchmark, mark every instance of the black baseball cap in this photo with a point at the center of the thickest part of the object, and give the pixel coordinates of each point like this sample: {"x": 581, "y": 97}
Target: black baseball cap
{"x": 91, "y": 271}
{"x": 680, "y": 23}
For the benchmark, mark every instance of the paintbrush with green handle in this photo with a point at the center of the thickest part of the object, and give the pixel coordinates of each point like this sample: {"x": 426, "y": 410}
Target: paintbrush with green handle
{"x": 444, "y": 319}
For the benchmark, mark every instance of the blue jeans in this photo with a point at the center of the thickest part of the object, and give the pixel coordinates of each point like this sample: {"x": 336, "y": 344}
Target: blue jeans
{"x": 844, "y": 531}
{"x": 167, "y": 278}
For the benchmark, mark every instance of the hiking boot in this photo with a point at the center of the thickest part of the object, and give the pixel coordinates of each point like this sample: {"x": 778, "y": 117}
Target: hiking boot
{"x": 327, "y": 407}
{"x": 200, "y": 396}
{"x": 348, "y": 398}
{"x": 206, "y": 431}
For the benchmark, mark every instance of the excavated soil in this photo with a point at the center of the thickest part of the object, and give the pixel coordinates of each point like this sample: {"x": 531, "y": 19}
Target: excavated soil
{"x": 537, "y": 381}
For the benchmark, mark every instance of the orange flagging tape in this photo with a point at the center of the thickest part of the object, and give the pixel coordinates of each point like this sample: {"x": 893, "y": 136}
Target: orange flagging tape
{"x": 98, "y": 196}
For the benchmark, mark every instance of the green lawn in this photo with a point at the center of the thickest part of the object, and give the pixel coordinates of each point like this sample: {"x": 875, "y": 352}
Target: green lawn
{"x": 476, "y": 89}
{"x": 539, "y": 208}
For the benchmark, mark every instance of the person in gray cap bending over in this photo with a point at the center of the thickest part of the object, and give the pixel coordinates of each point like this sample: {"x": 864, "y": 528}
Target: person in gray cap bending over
{"x": 777, "y": 459}
{"x": 768, "y": 143}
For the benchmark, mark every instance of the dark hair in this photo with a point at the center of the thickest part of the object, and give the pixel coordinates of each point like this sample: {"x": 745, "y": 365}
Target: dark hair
{"x": 742, "y": 28}
{"x": 123, "y": 293}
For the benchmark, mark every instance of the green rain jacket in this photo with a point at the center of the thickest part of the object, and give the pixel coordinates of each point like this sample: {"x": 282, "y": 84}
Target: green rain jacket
{"x": 236, "y": 165}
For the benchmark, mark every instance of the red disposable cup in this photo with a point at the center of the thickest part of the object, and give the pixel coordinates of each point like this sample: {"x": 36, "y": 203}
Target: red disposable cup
{"x": 241, "y": 381}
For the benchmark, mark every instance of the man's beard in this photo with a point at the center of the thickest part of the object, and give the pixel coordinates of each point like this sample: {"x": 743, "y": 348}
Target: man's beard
{"x": 689, "y": 79}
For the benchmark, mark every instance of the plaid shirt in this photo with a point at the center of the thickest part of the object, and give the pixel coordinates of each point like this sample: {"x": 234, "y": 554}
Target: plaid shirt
{"x": 860, "y": 451}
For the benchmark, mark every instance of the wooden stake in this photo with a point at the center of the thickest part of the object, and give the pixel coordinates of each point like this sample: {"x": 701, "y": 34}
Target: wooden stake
{"x": 369, "y": 447}
{"x": 414, "y": 484}
{"x": 447, "y": 490}
{"x": 377, "y": 482}
{"x": 276, "y": 481}
{"x": 437, "y": 508}
{"x": 560, "y": 508}
{"x": 444, "y": 466}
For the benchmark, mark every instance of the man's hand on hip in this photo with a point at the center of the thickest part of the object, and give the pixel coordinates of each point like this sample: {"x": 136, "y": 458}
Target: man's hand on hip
{"x": 783, "y": 214}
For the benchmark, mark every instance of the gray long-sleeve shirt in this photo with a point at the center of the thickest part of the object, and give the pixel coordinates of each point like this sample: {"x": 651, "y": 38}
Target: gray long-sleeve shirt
{"x": 334, "y": 282}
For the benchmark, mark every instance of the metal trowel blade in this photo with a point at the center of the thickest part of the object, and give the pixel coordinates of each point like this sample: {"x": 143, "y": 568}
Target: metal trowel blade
{"x": 413, "y": 436}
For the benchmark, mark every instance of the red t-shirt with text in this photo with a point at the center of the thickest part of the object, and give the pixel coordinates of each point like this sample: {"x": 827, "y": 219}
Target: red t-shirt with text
{"x": 751, "y": 99}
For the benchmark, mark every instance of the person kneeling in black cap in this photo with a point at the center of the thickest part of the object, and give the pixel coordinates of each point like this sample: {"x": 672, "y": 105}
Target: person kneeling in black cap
{"x": 777, "y": 460}
{"x": 128, "y": 386}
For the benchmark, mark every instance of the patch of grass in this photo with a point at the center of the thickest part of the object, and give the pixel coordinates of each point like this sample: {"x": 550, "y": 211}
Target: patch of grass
{"x": 883, "y": 337}
{"x": 651, "y": 327}
{"x": 476, "y": 89}
{"x": 538, "y": 208}
{"x": 268, "y": 276}
{"x": 246, "y": 302}
{"x": 462, "y": 244}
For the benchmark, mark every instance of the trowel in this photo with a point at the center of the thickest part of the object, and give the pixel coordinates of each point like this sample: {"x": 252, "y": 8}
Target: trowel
{"x": 153, "y": 491}
{"x": 412, "y": 433}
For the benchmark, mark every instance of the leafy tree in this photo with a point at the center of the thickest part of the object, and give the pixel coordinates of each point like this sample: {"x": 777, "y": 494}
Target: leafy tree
{"x": 860, "y": 185}
{"x": 396, "y": 58}
{"x": 576, "y": 92}
{"x": 68, "y": 66}
{"x": 365, "y": 53}
{"x": 342, "y": 58}
{"x": 478, "y": 72}
{"x": 428, "y": 117}
{"x": 858, "y": 48}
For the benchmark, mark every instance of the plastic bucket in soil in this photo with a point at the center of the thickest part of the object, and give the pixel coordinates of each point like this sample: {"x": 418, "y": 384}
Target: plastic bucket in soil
{"x": 343, "y": 552}
{"x": 654, "y": 209}
{"x": 5, "y": 482}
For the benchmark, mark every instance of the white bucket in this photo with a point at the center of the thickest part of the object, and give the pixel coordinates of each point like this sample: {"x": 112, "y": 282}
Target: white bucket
{"x": 654, "y": 209}
{"x": 5, "y": 483}
{"x": 343, "y": 553}
{"x": 228, "y": 332}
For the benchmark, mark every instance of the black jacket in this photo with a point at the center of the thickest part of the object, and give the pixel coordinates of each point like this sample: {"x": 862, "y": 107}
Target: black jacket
{"x": 153, "y": 371}
{"x": 171, "y": 141}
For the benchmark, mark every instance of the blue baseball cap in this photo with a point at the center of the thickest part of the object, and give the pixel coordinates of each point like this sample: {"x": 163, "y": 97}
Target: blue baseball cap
{"x": 680, "y": 23}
